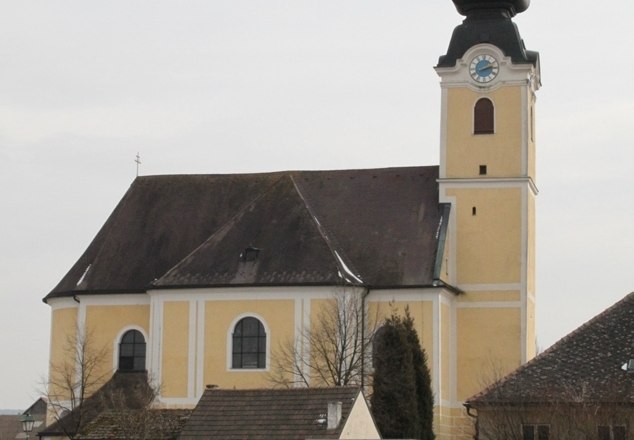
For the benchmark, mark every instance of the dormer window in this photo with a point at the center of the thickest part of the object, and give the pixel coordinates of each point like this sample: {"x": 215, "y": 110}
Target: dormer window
{"x": 250, "y": 254}
{"x": 483, "y": 117}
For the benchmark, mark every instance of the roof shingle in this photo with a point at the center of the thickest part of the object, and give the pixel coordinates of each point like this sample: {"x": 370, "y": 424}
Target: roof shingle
{"x": 281, "y": 414}
{"x": 379, "y": 225}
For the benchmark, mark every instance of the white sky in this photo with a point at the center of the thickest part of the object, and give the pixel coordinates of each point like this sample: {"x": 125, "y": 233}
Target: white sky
{"x": 224, "y": 86}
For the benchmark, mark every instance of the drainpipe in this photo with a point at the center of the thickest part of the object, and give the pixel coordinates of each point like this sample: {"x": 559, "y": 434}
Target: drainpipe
{"x": 363, "y": 297}
{"x": 477, "y": 420}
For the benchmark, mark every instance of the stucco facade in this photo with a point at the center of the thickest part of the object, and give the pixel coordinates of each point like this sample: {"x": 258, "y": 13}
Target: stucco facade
{"x": 459, "y": 253}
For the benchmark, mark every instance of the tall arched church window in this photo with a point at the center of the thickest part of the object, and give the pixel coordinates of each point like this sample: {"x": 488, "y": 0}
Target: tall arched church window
{"x": 377, "y": 340}
{"x": 483, "y": 116}
{"x": 132, "y": 351}
{"x": 249, "y": 344}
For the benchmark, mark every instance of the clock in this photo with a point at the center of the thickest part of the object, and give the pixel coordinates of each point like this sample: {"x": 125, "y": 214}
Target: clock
{"x": 483, "y": 68}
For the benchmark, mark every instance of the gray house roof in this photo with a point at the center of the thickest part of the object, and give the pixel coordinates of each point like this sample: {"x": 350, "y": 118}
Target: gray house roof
{"x": 124, "y": 391}
{"x": 376, "y": 227}
{"x": 120, "y": 424}
{"x": 584, "y": 366}
{"x": 281, "y": 414}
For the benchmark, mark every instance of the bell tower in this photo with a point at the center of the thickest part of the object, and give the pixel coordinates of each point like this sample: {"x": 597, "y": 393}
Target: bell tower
{"x": 487, "y": 174}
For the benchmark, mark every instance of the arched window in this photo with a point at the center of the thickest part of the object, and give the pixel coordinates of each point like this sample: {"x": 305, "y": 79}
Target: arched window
{"x": 483, "y": 116}
{"x": 132, "y": 351}
{"x": 249, "y": 344}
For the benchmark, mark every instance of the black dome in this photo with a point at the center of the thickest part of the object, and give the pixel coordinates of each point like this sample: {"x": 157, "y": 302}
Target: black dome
{"x": 466, "y": 7}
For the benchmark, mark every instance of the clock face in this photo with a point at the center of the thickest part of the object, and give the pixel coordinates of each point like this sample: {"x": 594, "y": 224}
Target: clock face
{"x": 484, "y": 68}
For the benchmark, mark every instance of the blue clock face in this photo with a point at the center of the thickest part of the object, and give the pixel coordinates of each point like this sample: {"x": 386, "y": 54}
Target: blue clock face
{"x": 483, "y": 68}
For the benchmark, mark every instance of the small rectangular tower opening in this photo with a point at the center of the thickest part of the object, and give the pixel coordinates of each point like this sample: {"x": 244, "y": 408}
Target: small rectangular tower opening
{"x": 483, "y": 170}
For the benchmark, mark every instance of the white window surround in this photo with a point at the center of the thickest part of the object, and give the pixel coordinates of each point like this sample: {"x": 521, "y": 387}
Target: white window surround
{"x": 229, "y": 350}
{"x": 117, "y": 341}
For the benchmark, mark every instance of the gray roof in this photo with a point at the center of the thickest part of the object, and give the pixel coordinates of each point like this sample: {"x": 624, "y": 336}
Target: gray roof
{"x": 488, "y": 22}
{"x": 584, "y": 366}
{"x": 127, "y": 391}
{"x": 153, "y": 424}
{"x": 376, "y": 227}
{"x": 10, "y": 426}
{"x": 281, "y": 414}
{"x": 466, "y": 7}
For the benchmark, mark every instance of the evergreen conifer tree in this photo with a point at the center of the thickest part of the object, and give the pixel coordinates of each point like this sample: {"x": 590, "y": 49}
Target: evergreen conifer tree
{"x": 402, "y": 400}
{"x": 393, "y": 399}
{"x": 422, "y": 379}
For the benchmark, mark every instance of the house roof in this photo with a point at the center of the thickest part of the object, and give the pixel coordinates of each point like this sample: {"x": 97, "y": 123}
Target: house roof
{"x": 281, "y": 414}
{"x": 153, "y": 424}
{"x": 585, "y": 365}
{"x": 125, "y": 390}
{"x": 10, "y": 426}
{"x": 376, "y": 227}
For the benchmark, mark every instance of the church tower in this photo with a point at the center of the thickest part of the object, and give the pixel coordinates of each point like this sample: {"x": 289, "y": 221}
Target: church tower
{"x": 487, "y": 174}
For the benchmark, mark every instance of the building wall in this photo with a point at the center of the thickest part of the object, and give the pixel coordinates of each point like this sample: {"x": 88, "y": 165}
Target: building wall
{"x": 63, "y": 333}
{"x": 501, "y": 151}
{"x": 566, "y": 421}
{"x": 360, "y": 424}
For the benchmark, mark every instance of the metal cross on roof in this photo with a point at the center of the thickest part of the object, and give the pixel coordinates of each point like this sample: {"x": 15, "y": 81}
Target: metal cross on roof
{"x": 138, "y": 162}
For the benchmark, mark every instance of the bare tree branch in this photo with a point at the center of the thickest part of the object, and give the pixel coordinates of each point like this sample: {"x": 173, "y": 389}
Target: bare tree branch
{"x": 333, "y": 350}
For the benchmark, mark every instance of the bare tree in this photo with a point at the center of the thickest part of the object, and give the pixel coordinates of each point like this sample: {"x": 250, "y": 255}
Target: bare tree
{"x": 73, "y": 379}
{"x": 334, "y": 351}
{"x": 569, "y": 411}
{"x": 82, "y": 392}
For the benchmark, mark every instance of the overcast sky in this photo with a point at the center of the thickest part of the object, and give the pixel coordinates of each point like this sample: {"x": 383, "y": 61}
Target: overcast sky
{"x": 232, "y": 86}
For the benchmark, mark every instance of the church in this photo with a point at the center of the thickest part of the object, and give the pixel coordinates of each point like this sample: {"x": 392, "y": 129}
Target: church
{"x": 198, "y": 279}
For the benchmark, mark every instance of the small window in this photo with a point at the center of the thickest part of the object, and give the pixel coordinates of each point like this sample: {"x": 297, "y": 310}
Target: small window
{"x": 483, "y": 117}
{"x": 483, "y": 170}
{"x": 606, "y": 432}
{"x": 132, "y": 351}
{"x": 249, "y": 344}
{"x": 535, "y": 432}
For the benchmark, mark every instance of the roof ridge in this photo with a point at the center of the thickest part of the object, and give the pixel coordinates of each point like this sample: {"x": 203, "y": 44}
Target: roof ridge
{"x": 331, "y": 241}
{"x": 296, "y": 389}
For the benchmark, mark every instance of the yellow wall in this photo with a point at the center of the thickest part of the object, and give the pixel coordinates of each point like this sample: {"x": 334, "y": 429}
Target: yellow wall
{"x": 175, "y": 360}
{"x": 531, "y": 245}
{"x": 500, "y": 151}
{"x": 421, "y": 311}
{"x": 531, "y": 137}
{"x": 105, "y": 323}
{"x": 488, "y": 242}
{"x": 219, "y": 316}
{"x": 488, "y": 347}
{"x": 63, "y": 333}
{"x": 445, "y": 352}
